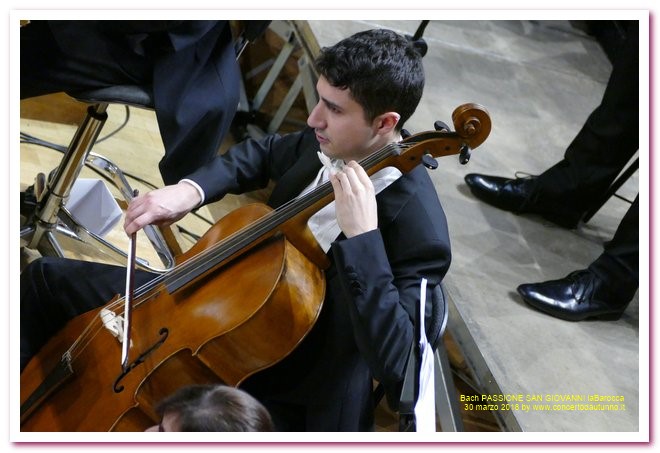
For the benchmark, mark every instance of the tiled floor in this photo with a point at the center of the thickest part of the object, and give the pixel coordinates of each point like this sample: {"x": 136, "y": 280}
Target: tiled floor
{"x": 539, "y": 81}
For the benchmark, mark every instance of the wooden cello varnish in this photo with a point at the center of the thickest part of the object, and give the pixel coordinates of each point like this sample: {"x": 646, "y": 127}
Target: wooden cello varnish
{"x": 228, "y": 324}
{"x": 238, "y": 302}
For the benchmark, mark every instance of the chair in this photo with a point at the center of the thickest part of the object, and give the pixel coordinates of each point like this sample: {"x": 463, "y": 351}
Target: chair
{"x": 49, "y": 221}
{"x": 446, "y": 402}
{"x": 49, "y": 218}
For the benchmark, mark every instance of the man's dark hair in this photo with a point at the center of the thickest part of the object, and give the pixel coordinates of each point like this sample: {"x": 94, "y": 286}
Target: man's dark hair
{"x": 381, "y": 68}
{"x": 216, "y": 408}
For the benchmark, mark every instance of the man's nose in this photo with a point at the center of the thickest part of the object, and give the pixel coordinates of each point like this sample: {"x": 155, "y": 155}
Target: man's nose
{"x": 314, "y": 119}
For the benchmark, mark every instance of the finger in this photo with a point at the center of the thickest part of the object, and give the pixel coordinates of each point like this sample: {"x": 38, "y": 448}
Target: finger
{"x": 136, "y": 207}
{"x": 336, "y": 185}
{"x": 146, "y": 218}
{"x": 356, "y": 184}
{"x": 136, "y": 222}
{"x": 362, "y": 175}
{"x": 139, "y": 200}
{"x": 132, "y": 212}
{"x": 131, "y": 227}
{"x": 342, "y": 180}
{"x": 141, "y": 212}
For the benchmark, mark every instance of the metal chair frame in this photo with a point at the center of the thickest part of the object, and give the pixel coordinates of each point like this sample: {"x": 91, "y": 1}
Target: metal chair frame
{"x": 51, "y": 221}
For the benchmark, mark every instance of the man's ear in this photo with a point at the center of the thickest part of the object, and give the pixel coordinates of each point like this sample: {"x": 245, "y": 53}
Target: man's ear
{"x": 386, "y": 122}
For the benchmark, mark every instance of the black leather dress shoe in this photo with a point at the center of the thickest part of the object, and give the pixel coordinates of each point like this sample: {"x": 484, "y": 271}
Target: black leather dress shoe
{"x": 508, "y": 194}
{"x": 578, "y": 296}
{"x": 518, "y": 196}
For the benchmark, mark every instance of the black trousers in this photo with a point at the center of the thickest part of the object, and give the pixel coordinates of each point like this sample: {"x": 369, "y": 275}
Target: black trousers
{"x": 607, "y": 141}
{"x": 55, "y": 290}
{"x": 619, "y": 263}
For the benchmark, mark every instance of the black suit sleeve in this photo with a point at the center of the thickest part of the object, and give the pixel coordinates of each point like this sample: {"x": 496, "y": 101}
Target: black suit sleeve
{"x": 380, "y": 273}
{"x": 249, "y": 165}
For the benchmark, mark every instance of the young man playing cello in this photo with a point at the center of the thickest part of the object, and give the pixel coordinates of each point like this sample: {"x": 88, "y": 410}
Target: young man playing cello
{"x": 382, "y": 236}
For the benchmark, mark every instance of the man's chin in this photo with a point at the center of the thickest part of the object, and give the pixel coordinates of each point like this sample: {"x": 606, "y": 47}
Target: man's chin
{"x": 325, "y": 150}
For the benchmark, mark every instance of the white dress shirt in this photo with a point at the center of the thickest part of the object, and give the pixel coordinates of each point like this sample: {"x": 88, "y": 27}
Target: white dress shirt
{"x": 324, "y": 224}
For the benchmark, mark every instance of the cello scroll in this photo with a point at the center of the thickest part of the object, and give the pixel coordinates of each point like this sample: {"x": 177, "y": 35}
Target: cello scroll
{"x": 243, "y": 278}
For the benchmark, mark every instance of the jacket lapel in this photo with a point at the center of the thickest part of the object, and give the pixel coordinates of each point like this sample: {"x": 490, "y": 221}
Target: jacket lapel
{"x": 394, "y": 197}
{"x": 299, "y": 176}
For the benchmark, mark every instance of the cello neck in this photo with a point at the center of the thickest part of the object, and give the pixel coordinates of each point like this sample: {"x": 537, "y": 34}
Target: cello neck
{"x": 472, "y": 124}
{"x": 297, "y": 211}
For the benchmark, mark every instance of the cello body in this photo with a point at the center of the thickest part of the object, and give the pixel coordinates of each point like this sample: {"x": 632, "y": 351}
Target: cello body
{"x": 237, "y": 319}
{"x": 238, "y": 302}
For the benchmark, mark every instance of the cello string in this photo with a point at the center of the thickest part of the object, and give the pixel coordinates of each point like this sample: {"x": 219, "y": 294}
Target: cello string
{"x": 259, "y": 228}
{"x": 97, "y": 324}
{"x": 232, "y": 243}
{"x": 247, "y": 234}
{"x": 240, "y": 238}
{"x": 222, "y": 250}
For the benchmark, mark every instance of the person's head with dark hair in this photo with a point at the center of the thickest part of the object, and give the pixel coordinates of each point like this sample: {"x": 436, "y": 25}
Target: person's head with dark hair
{"x": 369, "y": 84}
{"x": 212, "y": 408}
{"x": 382, "y": 70}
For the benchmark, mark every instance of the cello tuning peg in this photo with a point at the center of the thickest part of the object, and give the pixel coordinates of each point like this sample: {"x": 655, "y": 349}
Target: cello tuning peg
{"x": 405, "y": 133}
{"x": 441, "y": 127}
{"x": 429, "y": 162}
{"x": 464, "y": 157}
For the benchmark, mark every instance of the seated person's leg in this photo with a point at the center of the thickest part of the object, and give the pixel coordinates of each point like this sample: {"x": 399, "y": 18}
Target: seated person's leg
{"x": 55, "y": 290}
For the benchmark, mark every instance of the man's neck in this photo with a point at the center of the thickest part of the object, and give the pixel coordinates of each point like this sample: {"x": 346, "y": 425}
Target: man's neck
{"x": 394, "y": 137}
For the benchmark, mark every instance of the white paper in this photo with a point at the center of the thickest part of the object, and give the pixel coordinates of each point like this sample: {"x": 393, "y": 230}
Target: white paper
{"x": 425, "y": 406}
{"x": 93, "y": 206}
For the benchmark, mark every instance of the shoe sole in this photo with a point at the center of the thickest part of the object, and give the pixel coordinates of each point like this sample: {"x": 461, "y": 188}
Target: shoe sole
{"x": 567, "y": 316}
{"x": 495, "y": 202}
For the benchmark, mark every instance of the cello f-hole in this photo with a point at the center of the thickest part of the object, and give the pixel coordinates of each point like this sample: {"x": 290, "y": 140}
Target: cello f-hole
{"x": 163, "y": 332}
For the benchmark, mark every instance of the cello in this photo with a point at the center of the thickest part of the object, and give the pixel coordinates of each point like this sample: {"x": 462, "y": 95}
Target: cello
{"x": 204, "y": 320}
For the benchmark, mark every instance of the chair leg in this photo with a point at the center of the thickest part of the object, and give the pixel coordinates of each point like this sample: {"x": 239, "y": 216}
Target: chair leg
{"x": 51, "y": 220}
{"x": 115, "y": 175}
{"x": 632, "y": 168}
{"x": 72, "y": 230}
{"x": 58, "y": 188}
{"x": 446, "y": 403}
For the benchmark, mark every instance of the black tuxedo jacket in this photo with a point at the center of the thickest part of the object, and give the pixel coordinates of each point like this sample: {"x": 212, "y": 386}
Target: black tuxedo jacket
{"x": 365, "y": 328}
